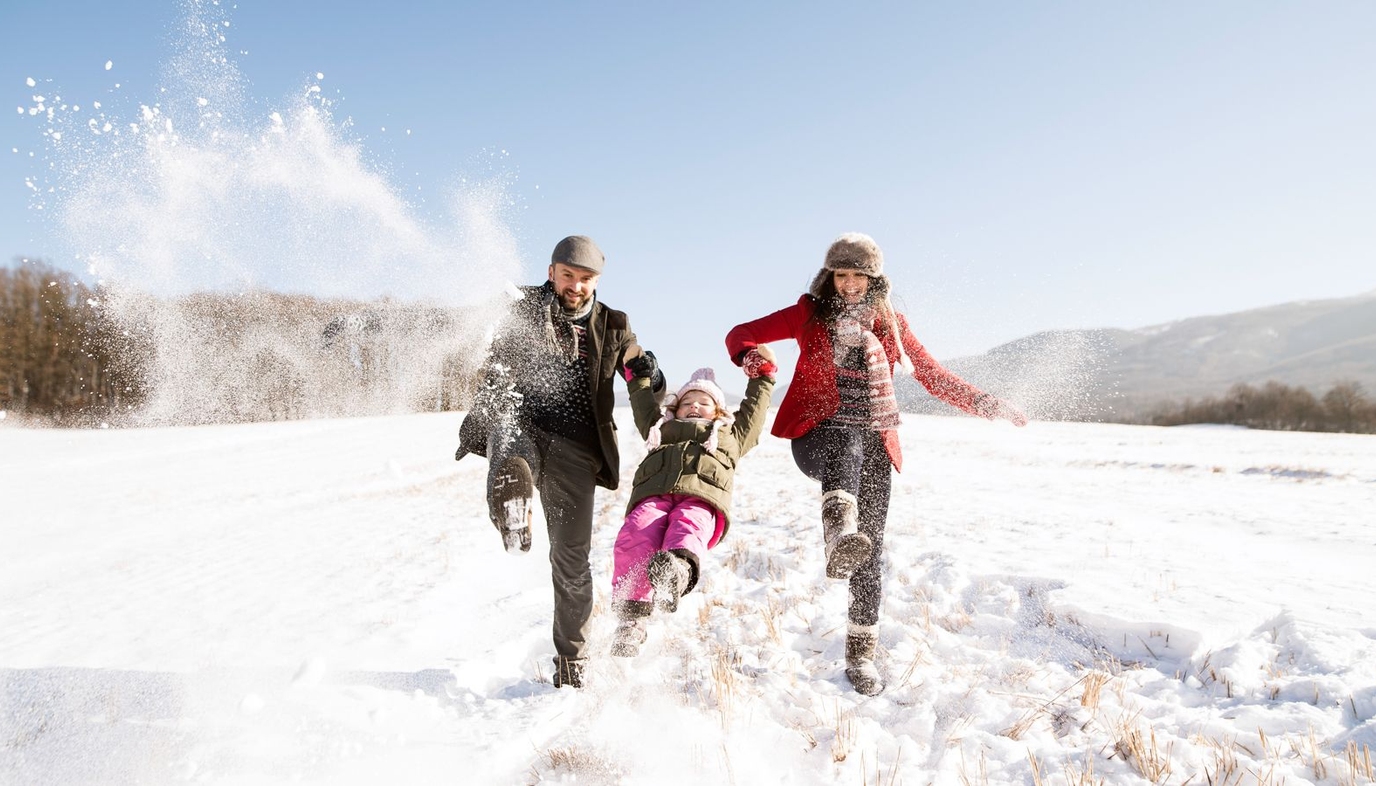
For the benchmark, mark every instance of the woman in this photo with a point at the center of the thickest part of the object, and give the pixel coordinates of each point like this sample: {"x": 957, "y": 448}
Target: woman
{"x": 842, "y": 416}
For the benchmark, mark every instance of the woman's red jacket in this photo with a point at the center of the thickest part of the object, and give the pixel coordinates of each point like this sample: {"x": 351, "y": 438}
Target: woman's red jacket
{"x": 812, "y": 396}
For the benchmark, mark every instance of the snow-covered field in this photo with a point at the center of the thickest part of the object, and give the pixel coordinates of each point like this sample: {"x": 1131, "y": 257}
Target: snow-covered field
{"x": 324, "y": 602}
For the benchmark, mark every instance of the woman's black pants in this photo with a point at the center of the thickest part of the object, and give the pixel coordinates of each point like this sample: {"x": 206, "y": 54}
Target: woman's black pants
{"x": 853, "y": 459}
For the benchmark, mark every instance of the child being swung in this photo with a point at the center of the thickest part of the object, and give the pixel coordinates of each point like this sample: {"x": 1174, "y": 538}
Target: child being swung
{"x": 681, "y": 496}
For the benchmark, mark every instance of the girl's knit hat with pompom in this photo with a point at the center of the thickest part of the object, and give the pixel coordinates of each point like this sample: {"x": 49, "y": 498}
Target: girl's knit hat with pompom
{"x": 703, "y": 380}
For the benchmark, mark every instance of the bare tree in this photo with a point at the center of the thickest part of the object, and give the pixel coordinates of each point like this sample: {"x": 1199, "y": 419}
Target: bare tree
{"x": 1347, "y": 407}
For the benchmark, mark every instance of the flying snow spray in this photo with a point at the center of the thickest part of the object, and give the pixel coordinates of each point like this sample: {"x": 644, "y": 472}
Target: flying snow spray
{"x": 272, "y": 271}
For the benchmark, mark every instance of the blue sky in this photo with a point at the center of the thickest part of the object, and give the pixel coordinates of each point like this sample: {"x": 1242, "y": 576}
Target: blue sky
{"x": 1025, "y": 166}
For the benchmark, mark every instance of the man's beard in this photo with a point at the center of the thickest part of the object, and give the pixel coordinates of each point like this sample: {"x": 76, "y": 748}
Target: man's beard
{"x": 572, "y": 302}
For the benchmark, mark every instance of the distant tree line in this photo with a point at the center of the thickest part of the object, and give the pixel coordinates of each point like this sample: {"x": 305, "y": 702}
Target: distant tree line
{"x": 61, "y": 358}
{"x": 68, "y": 359}
{"x": 1276, "y": 406}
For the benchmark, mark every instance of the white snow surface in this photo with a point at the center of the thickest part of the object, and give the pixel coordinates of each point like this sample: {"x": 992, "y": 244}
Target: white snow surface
{"x": 324, "y": 602}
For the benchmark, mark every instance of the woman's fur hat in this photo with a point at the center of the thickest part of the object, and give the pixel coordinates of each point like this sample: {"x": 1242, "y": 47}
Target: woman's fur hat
{"x": 705, "y": 381}
{"x": 851, "y": 251}
{"x": 856, "y": 251}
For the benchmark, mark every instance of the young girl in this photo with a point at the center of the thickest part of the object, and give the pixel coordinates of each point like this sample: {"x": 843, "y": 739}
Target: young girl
{"x": 681, "y": 496}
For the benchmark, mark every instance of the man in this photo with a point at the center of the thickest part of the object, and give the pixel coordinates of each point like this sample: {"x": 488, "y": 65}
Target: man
{"x": 542, "y": 416}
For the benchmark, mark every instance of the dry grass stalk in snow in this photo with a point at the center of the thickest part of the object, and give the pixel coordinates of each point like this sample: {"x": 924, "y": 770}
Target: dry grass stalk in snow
{"x": 1094, "y": 685}
{"x": 1225, "y": 770}
{"x": 804, "y": 731}
{"x": 1351, "y": 770}
{"x": 1359, "y": 769}
{"x": 726, "y": 762}
{"x": 924, "y": 602}
{"x": 750, "y": 563}
{"x": 1361, "y": 760}
{"x": 879, "y": 779}
{"x": 724, "y": 684}
{"x": 1142, "y": 751}
{"x": 578, "y": 761}
{"x": 844, "y": 739}
{"x": 709, "y": 602}
{"x": 1025, "y": 722}
{"x": 1267, "y": 777}
{"x": 538, "y": 667}
{"x": 738, "y": 554}
{"x": 1036, "y": 768}
{"x": 1309, "y": 748}
{"x": 1082, "y": 777}
{"x": 956, "y": 621}
{"x": 771, "y": 613}
{"x": 907, "y": 676}
{"x": 981, "y": 774}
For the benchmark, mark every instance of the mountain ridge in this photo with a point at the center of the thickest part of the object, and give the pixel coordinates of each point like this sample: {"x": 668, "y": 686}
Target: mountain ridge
{"x": 1115, "y": 372}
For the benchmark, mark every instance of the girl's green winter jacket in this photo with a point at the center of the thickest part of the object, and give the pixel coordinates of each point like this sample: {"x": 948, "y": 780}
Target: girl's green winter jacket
{"x": 682, "y": 464}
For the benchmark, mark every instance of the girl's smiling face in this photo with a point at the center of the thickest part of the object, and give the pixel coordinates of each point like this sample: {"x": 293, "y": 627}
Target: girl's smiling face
{"x": 695, "y": 404}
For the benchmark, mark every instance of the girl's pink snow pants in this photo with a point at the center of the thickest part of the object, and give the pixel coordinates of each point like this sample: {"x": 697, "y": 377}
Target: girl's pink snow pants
{"x": 660, "y": 523}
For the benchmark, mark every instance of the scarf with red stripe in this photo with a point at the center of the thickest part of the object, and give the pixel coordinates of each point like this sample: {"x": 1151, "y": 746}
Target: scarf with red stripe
{"x": 873, "y": 403}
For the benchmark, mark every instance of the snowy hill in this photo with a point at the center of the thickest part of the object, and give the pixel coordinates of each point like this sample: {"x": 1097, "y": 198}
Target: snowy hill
{"x": 1313, "y": 344}
{"x": 324, "y": 602}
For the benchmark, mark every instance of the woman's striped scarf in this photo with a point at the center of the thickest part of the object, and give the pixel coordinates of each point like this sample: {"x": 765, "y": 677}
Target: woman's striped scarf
{"x": 864, "y": 377}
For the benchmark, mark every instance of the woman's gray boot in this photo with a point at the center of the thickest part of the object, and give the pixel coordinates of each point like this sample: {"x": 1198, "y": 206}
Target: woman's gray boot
{"x": 846, "y": 547}
{"x": 861, "y": 643}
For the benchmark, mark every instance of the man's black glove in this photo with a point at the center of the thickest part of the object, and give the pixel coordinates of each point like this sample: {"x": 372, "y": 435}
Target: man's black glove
{"x": 643, "y": 366}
